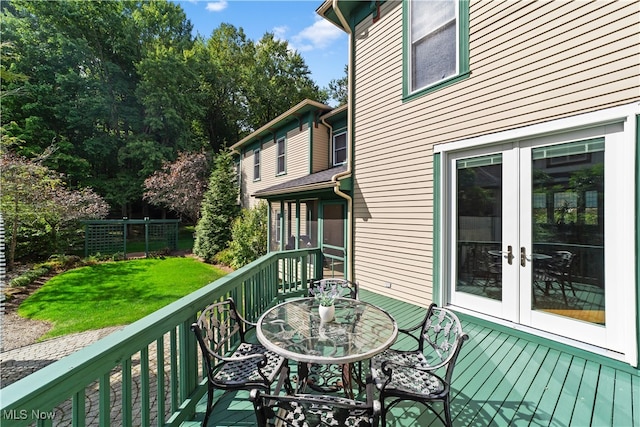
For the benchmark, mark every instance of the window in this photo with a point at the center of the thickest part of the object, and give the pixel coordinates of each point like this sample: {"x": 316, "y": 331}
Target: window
{"x": 256, "y": 164}
{"x": 437, "y": 43}
{"x": 339, "y": 148}
{"x": 280, "y": 157}
{"x": 278, "y": 226}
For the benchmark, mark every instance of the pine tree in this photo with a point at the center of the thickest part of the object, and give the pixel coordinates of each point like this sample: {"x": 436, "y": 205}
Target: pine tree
{"x": 219, "y": 209}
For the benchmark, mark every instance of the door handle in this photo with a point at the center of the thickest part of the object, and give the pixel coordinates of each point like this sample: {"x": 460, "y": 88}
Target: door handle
{"x": 508, "y": 253}
{"x": 523, "y": 256}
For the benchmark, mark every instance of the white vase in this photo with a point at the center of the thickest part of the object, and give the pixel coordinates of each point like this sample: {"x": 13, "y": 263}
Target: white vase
{"x": 327, "y": 313}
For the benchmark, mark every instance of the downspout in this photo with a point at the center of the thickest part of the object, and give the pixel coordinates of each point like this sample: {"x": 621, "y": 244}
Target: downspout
{"x": 335, "y": 179}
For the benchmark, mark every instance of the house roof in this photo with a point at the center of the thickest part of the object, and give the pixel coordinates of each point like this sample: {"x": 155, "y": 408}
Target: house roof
{"x": 353, "y": 11}
{"x": 338, "y": 111}
{"x": 315, "y": 181}
{"x": 268, "y": 129}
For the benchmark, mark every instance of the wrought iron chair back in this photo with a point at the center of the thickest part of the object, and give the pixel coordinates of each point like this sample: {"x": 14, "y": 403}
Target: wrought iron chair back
{"x": 439, "y": 336}
{"x": 233, "y": 363}
{"x": 344, "y": 287}
{"x": 415, "y": 374}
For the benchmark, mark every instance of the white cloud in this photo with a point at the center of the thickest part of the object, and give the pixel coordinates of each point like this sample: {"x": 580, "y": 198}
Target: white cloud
{"x": 280, "y": 32}
{"x": 217, "y": 6}
{"x": 319, "y": 35}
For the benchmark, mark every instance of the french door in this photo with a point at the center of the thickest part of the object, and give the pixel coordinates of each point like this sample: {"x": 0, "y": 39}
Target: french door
{"x": 536, "y": 238}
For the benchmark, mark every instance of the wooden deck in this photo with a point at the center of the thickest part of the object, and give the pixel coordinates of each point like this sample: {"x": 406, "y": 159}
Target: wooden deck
{"x": 502, "y": 378}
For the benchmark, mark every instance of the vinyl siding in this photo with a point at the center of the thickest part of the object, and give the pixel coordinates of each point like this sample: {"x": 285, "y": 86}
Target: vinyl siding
{"x": 321, "y": 148}
{"x": 298, "y": 152}
{"x": 530, "y": 62}
{"x": 297, "y": 163}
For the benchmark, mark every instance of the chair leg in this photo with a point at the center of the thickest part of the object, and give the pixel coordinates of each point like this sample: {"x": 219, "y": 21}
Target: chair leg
{"x": 209, "y": 406}
{"x": 383, "y": 413}
{"x": 564, "y": 295}
{"x": 447, "y": 412}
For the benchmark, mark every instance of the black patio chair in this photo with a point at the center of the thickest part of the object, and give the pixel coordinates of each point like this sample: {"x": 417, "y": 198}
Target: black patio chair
{"x": 305, "y": 410}
{"x": 323, "y": 377}
{"x": 233, "y": 363}
{"x": 558, "y": 270}
{"x": 411, "y": 375}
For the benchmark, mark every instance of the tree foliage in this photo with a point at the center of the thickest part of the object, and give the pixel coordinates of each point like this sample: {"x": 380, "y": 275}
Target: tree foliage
{"x": 219, "y": 209}
{"x": 123, "y": 87}
{"x": 180, "y": 185}
{"x": 122, "y": 90}
{"x": 37, "y": 202}
{"x": 249, "y": 235}
{"x": 338, "y": 89}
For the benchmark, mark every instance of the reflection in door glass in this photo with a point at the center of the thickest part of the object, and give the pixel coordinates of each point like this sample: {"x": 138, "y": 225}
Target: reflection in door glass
{"x": 568, "y": 230}
{"x": 479, "y": 226}
{"x": 333, "y": 239}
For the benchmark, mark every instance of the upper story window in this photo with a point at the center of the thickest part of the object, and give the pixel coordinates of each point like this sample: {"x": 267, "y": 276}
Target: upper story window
{"x": 339, "y": 148}
{"x": 281, "y": 158}
{"x": 256, "y": 164}
{"x": 437, "y": 43}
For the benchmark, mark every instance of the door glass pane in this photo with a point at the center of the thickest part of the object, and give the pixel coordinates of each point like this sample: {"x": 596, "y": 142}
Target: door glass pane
{"x": 479, "y": 226}
{"x": 333, "y": 239}
{"x": 568, "y": 230}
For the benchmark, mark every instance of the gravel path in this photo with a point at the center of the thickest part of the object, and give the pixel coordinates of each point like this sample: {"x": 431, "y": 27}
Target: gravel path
{"x": 20, "y": 332}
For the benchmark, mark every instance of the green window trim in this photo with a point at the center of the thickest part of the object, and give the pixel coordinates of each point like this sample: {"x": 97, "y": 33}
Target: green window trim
{"x": 281, "y": 168}
{"x": 463, "y": 53}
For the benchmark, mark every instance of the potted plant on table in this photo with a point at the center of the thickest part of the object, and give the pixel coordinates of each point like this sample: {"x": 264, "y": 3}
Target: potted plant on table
{"x": 326, "y": 295}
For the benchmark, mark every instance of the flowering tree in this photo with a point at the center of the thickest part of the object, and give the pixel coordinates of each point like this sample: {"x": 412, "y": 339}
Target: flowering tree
{"x": 180, "y": 185}
{"x": 36, "y": 203}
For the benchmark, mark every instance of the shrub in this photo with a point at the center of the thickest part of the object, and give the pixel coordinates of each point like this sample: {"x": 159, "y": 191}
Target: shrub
{"x": 30, "y": 276}
{"x": 249, "y": 234}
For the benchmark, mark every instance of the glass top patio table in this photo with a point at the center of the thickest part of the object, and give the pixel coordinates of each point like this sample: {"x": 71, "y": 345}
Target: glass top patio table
{"x": 359, "y": 331}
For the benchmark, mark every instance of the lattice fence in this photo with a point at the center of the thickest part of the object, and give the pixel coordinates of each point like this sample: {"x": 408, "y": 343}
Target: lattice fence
{"x": 130, "y": 235}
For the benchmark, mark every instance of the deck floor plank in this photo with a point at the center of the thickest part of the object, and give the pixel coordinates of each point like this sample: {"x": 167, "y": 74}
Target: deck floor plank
{"x": 549, "y": 399}
{"x": 603, "y": 405}
{"x": 569, "y": 392}
{"x": 489, "y": 380}
{"x": 582, "y": 413}
{"x": 516, "y": 399}
{"x": 622, "y": 400}
{"x": 503, "y": 397}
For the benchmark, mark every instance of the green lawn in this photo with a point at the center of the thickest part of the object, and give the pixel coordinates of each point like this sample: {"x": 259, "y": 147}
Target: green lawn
{"x": 114, "y": 293}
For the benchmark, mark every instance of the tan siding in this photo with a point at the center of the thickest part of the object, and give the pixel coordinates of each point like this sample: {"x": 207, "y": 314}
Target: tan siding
{"x": 297, "y": 153}
{"x": 321, "y": 148}
{"x": 530, "y": 62}
{"x": 297, "y": 164}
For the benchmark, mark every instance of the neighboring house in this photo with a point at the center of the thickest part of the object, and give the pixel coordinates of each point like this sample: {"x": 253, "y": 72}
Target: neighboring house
{"x": 296, "y": 163}
{"x": 493, "y": 149}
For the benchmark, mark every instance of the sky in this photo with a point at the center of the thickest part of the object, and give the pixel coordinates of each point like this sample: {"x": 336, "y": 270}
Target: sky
{"x": 322, "y": 45}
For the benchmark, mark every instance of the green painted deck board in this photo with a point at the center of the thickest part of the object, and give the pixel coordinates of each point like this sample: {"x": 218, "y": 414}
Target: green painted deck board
{"x": 500, "y": 380}
{"x": 516, "y": 405}
{"x": 569, "y": 392}
{"x": 583, "y": 410}
{"x": 603, "y": 405}
{"x": 622, "y": 403}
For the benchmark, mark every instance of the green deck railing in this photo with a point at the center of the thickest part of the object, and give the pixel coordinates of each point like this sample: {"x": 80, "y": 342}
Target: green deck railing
{"x": 152, "y": 366}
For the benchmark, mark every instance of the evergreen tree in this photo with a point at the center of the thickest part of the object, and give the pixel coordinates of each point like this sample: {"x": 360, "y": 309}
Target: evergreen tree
{"x": 219, "y": 209}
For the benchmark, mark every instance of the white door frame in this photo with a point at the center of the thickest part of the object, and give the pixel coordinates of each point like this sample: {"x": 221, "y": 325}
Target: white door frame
{"x": 618, "y": 126}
